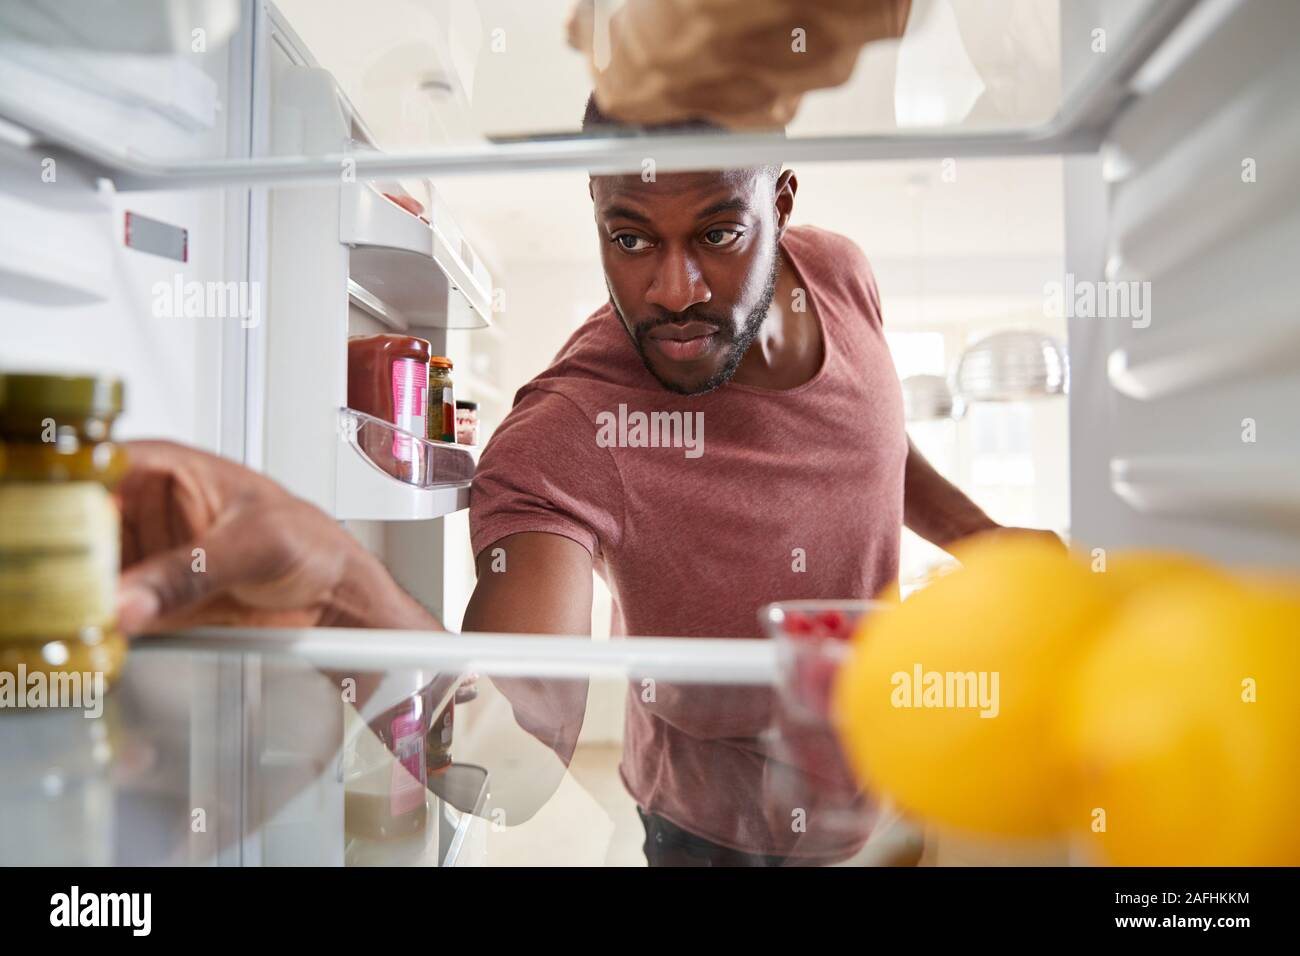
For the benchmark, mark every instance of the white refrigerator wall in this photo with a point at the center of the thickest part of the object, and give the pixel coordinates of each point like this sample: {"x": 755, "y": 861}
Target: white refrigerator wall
{"x": 73, "y": 296}
{"x": 171, "y": 361}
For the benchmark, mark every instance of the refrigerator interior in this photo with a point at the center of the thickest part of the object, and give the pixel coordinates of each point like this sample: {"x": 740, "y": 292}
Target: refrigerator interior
{"x": 260, "y": 144}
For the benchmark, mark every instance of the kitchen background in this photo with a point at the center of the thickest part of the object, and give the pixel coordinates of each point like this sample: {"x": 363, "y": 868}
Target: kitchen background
{"x": 960, "y": 251}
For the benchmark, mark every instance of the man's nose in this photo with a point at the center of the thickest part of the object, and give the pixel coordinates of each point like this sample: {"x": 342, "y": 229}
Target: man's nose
{"x": 678, "y": 283}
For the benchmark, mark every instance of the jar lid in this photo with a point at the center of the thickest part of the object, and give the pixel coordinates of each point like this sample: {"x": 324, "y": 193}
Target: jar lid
{"x": 441, "y": 361}
{"x": 470, "y": 406}
{"x": 54, "y": 394}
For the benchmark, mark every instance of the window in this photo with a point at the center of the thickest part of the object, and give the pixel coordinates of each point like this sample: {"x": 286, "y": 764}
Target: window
{"x": 917, "y": 353}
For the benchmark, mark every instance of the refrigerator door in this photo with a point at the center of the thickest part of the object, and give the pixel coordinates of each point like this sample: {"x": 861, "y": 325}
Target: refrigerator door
{"x": 1185, "y": 350}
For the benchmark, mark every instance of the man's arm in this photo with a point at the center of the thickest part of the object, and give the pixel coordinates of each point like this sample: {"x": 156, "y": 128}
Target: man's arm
{"x": 935, "y": 508}
{"x": 532, "y": 583}
{"x": 537, "y": 583}
{"x": 269, "y": 559}
{"x": 939, "y": 511}
{"x": 529, "y": 583}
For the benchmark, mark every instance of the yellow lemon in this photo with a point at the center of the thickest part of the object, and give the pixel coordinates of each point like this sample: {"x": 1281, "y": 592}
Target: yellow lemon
{"x": 945, "y": 702}
{"x": 1129, "y": 573}
{"x": 1184, "y": 725}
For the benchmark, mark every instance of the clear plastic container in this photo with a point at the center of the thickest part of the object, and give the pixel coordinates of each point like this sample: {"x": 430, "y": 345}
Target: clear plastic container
{"x": 812, "y": 641}
{"x": 416, "y": 461}
{"x": 813, "y": 638}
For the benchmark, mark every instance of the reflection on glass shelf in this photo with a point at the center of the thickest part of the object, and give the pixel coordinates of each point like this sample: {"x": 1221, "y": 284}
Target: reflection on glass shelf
{"x": 272, "y": 769}
{"x": 463, "y": 791}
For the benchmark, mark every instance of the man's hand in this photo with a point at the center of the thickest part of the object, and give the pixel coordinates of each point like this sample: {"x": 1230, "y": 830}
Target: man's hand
{"x": 941, "y": 513}
{"x": 207, "y": 541}
{"x": 650, "y": 70}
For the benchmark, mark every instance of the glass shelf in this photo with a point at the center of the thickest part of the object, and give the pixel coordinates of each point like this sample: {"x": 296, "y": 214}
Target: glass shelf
{"x": 516, "y": 774}
{"x": 443, "y": 93}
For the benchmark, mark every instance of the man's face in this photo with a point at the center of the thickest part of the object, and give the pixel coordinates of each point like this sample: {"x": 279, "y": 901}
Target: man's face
{"x": 691, "y": 264}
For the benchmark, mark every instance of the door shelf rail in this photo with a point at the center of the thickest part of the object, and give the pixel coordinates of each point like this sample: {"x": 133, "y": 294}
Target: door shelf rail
{"x": 387, "y": 474}
{"x": 1263, "y": 493}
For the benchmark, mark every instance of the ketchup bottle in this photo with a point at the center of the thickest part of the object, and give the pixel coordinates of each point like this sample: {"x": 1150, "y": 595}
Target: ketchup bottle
{"x": 388, "y": 377}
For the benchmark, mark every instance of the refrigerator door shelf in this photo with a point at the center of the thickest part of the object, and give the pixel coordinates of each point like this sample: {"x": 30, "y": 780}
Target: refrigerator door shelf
{"x": 422, "y": 272}
{"x": 1262, "y": 494}
{"x": 146, "y": 27}
{"x": 118, "y": 105}
{"x": 34, "y": 269}
{"x": 387, "y": 474}
{"x": 1155, "y": 368}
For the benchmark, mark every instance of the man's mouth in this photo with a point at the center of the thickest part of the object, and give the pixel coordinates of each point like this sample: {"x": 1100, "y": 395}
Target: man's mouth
{"x": 683, "y": 343}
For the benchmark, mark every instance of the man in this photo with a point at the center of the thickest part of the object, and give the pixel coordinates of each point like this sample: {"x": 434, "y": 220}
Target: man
{"x": 767, "y": 338}
{"x": 725, "y": 431}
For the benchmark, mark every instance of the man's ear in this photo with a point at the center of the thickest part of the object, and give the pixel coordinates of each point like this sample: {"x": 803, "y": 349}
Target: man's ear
{"x": 591, "y": 188}
{"x": 784, "y": 189}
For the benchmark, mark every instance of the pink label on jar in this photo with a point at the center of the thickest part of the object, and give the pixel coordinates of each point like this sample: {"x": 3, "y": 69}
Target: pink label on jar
{"x": 410, "y": 391}
{"x": 406, "y": 792}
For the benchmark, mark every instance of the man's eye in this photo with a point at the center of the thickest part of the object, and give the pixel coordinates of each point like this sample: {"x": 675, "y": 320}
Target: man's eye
{"x": 631, "y": 242}
{"x": 721, "y": 237}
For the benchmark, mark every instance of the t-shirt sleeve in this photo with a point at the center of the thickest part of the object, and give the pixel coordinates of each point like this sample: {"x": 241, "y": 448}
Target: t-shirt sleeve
{"x": 543, "y": 471}
{"x": 860, "y": 280}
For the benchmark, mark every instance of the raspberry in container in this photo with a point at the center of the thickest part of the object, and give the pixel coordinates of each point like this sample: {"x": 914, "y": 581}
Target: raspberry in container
{"x": 812, "y": 640}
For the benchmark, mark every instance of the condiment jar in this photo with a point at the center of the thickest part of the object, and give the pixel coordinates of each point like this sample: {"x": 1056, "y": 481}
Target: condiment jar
{"x": 467, "y": 422}
{"x": 437, "y": 745}
{"x": 442, "y": 403}
{"x": 388, "y": 378}
{"x": 384, "y": 771}
{"x": 59, "y": 528}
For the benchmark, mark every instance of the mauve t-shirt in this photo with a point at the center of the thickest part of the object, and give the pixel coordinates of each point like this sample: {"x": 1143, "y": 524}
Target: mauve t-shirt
{"x": 794, "y": 493}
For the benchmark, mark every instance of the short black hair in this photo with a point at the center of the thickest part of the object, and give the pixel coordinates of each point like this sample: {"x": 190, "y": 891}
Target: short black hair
{"x": 596, "y": 120}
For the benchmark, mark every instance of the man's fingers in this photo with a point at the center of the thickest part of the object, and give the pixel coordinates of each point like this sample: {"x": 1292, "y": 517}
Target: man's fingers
{"x": 167, "y": 583}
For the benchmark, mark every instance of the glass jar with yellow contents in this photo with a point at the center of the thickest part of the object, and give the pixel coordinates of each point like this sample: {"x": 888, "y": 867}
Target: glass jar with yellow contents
{"x": 59, "y": 527}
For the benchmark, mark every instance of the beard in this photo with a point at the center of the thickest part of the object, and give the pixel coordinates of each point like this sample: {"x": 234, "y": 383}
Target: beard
{"x": 736, "y": 344}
